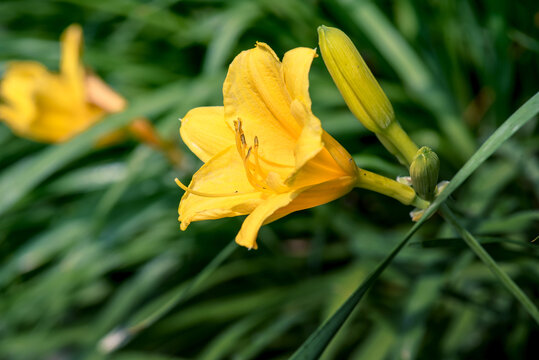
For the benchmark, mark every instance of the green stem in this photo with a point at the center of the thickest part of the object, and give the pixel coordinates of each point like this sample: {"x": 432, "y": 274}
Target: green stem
{"x": 389, "y": 187}
{"x": 400, "y": 140}
{"x": 392, "y": 149}
{"x": 476, "y": 247}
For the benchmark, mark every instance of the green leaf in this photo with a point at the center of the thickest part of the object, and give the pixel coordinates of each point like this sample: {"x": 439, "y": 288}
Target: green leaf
{"x": 313, "y": 347}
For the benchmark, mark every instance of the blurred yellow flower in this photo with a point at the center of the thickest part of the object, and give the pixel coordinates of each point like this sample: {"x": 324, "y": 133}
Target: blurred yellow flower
{"x": 50, "y": 107}
{"x": 265, "y": 153}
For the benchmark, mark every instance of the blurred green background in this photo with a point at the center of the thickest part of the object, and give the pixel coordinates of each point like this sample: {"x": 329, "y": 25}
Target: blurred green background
{"x": 93, "y": 263}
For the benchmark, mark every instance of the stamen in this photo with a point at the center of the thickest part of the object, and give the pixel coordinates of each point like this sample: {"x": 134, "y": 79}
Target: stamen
{"x": 237, "y": 125}
{"x": 251, "y": 170}
{"x": 198, "y": 193}
{"x": 262, "y": 173}
{"x": 240, "y": 138}
{"x": 250, "y": 176}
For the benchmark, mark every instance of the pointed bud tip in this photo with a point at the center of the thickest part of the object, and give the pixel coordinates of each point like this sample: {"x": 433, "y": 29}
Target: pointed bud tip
{"x": 322, "y": 28}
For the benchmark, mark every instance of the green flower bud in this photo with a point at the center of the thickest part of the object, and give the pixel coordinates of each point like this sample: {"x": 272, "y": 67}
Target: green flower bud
{"x": 359, "y": 88}
{"x": 424, "y": 173}
{"x": 362, "y": 93}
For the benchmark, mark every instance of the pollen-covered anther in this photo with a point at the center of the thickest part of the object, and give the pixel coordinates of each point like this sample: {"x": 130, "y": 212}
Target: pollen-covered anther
{"x": 239, "y": 137}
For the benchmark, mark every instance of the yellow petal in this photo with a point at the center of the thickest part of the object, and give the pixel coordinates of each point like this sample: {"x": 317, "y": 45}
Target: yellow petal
{"x": 70, "y": 65}
{"x": 309, "y": 143}
{"x": 205, "y": 132}
{"x": 254, "y": 92}
{"x": 59, "y": 126}
{"x": 296, "y": 66}
{"x": 53, "y": 93}
{"x": 60, "y": 116}
{"x": 333, "y": 161}
{"x": 315, "y": 195}
{"x": 51, "y": 128}
{"x": 98, "y": 93}
{"x": 222, "y": 174}
{"x": 316, "y": 171}
{"x": 17, "y": 90}
{"x": 249, "y": 230}
{"x": 342, "y": 158}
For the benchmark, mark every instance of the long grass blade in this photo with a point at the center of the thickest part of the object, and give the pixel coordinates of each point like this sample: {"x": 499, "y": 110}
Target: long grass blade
{"x": 481, "y": 253}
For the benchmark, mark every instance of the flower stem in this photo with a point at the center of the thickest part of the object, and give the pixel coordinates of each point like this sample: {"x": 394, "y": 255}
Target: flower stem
{"x": 389, "y": 187}
{"x": 399, "y": 140}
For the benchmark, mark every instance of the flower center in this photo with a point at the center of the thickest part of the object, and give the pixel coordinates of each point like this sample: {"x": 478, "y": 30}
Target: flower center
{"x": 251, "y": 159}
{"x": 256, "y": 175}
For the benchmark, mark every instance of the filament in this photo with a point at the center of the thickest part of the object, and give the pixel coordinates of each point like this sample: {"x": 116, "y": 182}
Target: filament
{"x": 240, "y": 138}
{"x": 203, "y": 194}
{"x": 250, "y": 176}
{"x": 253, "y": 170}
{"x": 257, "y": 160}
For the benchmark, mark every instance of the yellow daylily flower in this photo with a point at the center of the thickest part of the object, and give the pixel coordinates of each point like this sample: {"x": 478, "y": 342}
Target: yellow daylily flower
{"x": 54, "y": 107}
{"x": 265, "y": 153}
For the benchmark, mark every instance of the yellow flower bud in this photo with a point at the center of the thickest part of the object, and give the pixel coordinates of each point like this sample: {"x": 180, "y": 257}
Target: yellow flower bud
{"x": 424, "y": 172}
{"x": 357, "y": 85}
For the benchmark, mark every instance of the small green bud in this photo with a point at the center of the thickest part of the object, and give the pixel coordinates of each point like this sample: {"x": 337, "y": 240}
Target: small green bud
{"x": 424, "y": 173}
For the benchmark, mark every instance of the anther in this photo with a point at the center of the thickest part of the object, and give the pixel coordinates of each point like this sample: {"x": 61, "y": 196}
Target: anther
{"x": 242, "y": 138}
{"x": 237, "y": 125}
{"x": 256, "y": 142}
